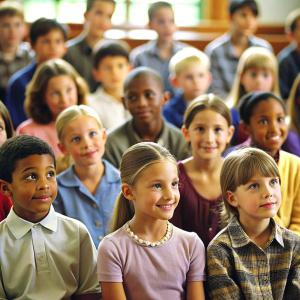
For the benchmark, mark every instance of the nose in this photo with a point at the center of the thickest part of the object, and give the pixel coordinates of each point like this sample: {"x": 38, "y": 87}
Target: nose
{"x": 268, "y": 192}
{"x": 43, "y": 184}
{"x": 142, "y": 101}
{"x": 168, "y": 193}
{"x": 209, "y": 136}
{"x": 273, "y": 127}
{"x": 86, "y": 142}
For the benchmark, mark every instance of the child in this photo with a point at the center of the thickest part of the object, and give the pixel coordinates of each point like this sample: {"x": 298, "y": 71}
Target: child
{"x": 88, "y": 189}
{"x": 144, "y": 98}
{"x": 157, "y": 54}
{"x": 14, "y": 54}
{"x": 257, "y": 70}
{"x": 225, "y": 51}
{"x": 54, "y": 255}
{"x": 111, "y": 66}
{"x": 263, "y": 119}
{"x": 253, "y": 257}
{"x": 147, "y": 257}
{"x": 189, "y": 71}
{"x": 289, "y": 57}
{"x": 97, "y": 17}
{"x": 292, "y": 142}
{"x": 207, "y": 127}
{"x": 47, "y": 39}
{"x": 54, "y": 87}
{"x": 6, "y": 132}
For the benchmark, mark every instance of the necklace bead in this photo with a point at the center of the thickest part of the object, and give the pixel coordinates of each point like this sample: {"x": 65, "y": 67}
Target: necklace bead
{"x": 165, "y": 238}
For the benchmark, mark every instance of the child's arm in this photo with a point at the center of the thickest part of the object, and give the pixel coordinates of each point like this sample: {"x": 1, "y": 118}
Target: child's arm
{"x": 112, "y": 291}
{"x": 195, "y": 290}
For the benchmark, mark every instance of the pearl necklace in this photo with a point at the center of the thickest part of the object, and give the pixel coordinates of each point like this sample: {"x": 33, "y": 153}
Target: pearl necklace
{"x": 165, "y": 238}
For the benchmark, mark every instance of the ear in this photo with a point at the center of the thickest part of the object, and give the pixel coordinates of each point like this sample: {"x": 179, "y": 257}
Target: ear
{"x": 245, "y": 128}
{"x": 5, "y": 188}
{"x": 185, "y": 134}
{"x": 230, "y": 134}
{"x": 62, "y": 149}
{"x": 127, "y": 191}
{"x": 231, "y": 198}
{"x": 166, "y": 97}
{"x": 104, "y": 135}
{"x": 173, "y": 80}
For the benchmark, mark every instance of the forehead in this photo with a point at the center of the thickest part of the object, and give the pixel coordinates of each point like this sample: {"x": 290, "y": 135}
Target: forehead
{"x": 10, "y": 18}
{"x": 268, "y": 106}
{"x": 34, "y": 161}
{"x": 163, "y": 12}
{"x": 54, "y": 33}
{"x": 113, "y": 59}
{"x": 143, "y": 82}
{"x": 104, "y": 6}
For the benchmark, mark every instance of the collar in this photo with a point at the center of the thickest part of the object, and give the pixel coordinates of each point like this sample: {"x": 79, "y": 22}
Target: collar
{"x": 19, "y": 227}
{"x": 153, "y": 49}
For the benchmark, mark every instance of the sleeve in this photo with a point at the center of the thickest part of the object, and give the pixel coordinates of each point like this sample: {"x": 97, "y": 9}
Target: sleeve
{"x": 219, "y": 275}
{"x": 109, "y": 262}
{"x": 111, "y": 155}
{"x": 88, "y": 281}
{"x": 285, "y": 81}
{"x": 58, "y": 203}
{"x": 292, "y": 143}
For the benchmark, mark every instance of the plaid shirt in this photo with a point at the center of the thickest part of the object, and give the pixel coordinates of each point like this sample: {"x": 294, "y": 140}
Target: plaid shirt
{"x": 239, "y": 269}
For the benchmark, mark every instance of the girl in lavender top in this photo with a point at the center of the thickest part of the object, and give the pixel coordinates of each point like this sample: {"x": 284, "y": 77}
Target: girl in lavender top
{"x": 145, "y": 256}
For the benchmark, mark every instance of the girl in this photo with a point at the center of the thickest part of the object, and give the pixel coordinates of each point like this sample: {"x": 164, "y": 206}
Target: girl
{"x": 147, "y": 257}
{"x": 88, "y": 189}
{"x": 253, "y": 257}
{"x": 257, "y": 71}
{"x": 263, "y": 119}
{"x": 207, "y": 127}
{"x": 6, "y": 132}
{"x": 292, "y": 142}
{"x": 54, "y": 87}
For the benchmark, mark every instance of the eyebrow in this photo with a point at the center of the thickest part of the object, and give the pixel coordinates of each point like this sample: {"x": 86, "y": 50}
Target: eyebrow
{"x": 33, "y": 168}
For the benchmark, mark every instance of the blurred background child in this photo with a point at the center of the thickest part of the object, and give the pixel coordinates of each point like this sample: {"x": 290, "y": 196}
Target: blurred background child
{"x": 207, "y": 127}
{"x": 54, "y": 87}
{"x": 111, "y": 67}
{"x": 156, "y": 54}
{"x": 87, "y": 190}
{"x": 189, "y": 72}
{"x": 14, "y": 53}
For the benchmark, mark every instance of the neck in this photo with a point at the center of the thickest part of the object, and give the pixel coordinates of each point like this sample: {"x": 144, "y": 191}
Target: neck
{"x": 149, "y": 131}
{"x": 92, "y": 40}
{"x": 92, "y": 172}
{"x": 239, "y": 39}
{"x": 208, "y": 165}
{"x": 164, "y": 44}
{"x": 9, "y": 51}
{"x": 115, "y": 93}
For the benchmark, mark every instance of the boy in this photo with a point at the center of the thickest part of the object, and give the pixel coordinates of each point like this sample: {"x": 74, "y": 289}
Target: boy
{"x": 157, "y": 54}
{"x": 47, "y": 38}
{"x": 144, "y": 97}
{"x": 14, "y": 54}
{"x": 253, "y": 257}
{"x": 43, "y": 255}
{"x": 189, "y": 71}
{"x": 97, "y": 17}
{"x": 111, "y": 66}
{"x": 289, "y": 57}
{"x": 225, "y": 51}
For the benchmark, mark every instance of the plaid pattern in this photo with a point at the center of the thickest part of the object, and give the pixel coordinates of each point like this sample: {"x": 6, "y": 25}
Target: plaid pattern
{"x": 239, "y": 269}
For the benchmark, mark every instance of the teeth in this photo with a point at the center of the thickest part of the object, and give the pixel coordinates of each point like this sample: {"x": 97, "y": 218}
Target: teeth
{"x": 273, "y": 138}
{"x": 165, "y": 206}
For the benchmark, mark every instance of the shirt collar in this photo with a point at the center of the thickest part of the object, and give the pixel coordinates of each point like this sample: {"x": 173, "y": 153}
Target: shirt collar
{"x": 19, "y": 227}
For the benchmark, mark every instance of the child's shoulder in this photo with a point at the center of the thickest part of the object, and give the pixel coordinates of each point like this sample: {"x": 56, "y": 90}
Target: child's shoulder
{"x": 289, "y": 159}
{"x": 217, "y": 43}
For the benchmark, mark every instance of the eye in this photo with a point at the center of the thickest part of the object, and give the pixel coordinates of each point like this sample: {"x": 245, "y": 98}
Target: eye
{"x": 31, "y": 177}
{"x": 54, "y": 94}
{"x": 274, "y": 181}
{"x": 75, "y": 139}
{"x": 132, "y": 98}
{"x": 254, "y": 186}
{"x": 157, "y": 185}
{"x": 69, "y": 90}
{"x": 175, "y": 184}
{"x": 93, "y": 133}
{"x": 253, "y": 74}
{"x": 149, "y": 94}
{"x": 218, "y": 129}
{"x": 266, "y": 75}
{"x": 200, "y": 129}
{"x": 51, "y": 174}
{"x": 281, "y": 119}
{"x": 2, "y": 128}
{"x": 263, "y": 121}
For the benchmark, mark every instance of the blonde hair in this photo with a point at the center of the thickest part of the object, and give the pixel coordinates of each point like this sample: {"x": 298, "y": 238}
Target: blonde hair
{"x": 291, "y": 19}
{"x": 66, "y": 117}
{"x": 294, "y": 106}
{"x": 11, "y": 8}
{"x": 35, "y": 106}
{"x": 187, "y": 57}
{"x": 253, "y": 57}
{"x": 134, "y": 161}
{"x": 238, "y": 168}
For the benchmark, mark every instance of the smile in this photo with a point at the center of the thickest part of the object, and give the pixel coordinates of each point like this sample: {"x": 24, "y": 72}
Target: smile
{"x": 166, "y": 206}
{"x": 268, "y": 205}
{"x": 274, "y": 138}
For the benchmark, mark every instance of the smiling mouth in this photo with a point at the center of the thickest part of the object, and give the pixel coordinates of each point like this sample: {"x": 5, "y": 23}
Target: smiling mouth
{"x": 166, "y": 206}
{"x": 268, "y": 205}
{"x": 274, "y": 138}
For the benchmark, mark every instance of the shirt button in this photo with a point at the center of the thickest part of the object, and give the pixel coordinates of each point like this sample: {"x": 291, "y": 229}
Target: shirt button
{"x": 98, "y": 224}
{"x": 95, "y": 205}
{"x": 34, "y": 226}
{"x": 265, "y": 278}
{"x": 41, "y": 258}
{"x": 100, "y": 237}
{"x": 210, "y": 229}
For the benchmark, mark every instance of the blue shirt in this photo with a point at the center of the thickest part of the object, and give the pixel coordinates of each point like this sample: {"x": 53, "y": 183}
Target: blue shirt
{"x": 15, "y": 94}
{"x": 174, "y": 111}
{"x": 75, "y": 201}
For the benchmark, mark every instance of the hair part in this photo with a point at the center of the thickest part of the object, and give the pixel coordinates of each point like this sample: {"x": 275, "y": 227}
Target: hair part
{"x": 20, "y": 147}
{"x": 234, "y": 5}
{"x": 155, "y": 6}
{"x": 90, "y": 3}
{"x": 9, "y": 128}
{"x": 34, "y": 105}
{"x": 134, "y": 161}
{"x": 11, "y": 9}
{"x": 238, "y": 168}
{"x": 294, "y": 106}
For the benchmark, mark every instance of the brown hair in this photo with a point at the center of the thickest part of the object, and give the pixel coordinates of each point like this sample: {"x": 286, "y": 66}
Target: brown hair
{"x": 35, "y": 106}
{"x": 9, "y": 128}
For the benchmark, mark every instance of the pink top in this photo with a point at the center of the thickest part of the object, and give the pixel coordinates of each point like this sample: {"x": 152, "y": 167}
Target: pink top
{"x": 5, "y": 205}
{"x": 45, "y": 132}
{"x": 147, "y": 272}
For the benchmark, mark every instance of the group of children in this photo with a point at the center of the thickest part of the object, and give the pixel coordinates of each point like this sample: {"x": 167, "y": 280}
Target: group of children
{"x": 214, "y": 234}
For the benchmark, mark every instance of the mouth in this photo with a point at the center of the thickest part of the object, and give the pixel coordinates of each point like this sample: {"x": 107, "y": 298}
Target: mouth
{"x": 42, "y": 198}
{"x": 91, "y": 153}
{"x": 166, "y": 206}
{"x": 209, "y": 149}
{"x": 274, "y": 138}
{"x": 268, "y": 205}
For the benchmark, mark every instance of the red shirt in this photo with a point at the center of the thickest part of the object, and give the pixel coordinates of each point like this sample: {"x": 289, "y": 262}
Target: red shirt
{"x": 5, "y": 205}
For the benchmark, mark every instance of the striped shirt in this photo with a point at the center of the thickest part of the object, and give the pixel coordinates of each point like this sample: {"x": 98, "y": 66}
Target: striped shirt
{"x": 239, "y": 269}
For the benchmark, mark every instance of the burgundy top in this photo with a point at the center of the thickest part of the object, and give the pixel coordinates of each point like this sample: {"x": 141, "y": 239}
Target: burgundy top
{"x": 5, "y": 205}
{"x": 194, "y": 212}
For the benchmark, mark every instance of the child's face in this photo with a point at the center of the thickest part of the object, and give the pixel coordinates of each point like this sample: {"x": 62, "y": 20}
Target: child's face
{"x": 3, "y": 134}
{"x": 84, "y": 140}
{"x": 193, "y": 80}
{"x": 257, "y": 200}
{"x": 12, "y": 30}
{"x": 244, "y": 21}
{"x": 155, "y": 193}
{"x": 163, "y": 23}
{"x": 98, "y": 18}
{"x": 112, "y": 72}
{"x": 208, "y": 134}
{"x": 256, "y": 80}
{"x": 145, "y": 99}
{"x": 50, "y": 45}
{"x": 33, "y": 187}
{"x": 267, "y": 127}
{"x": 61, "y": 93}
